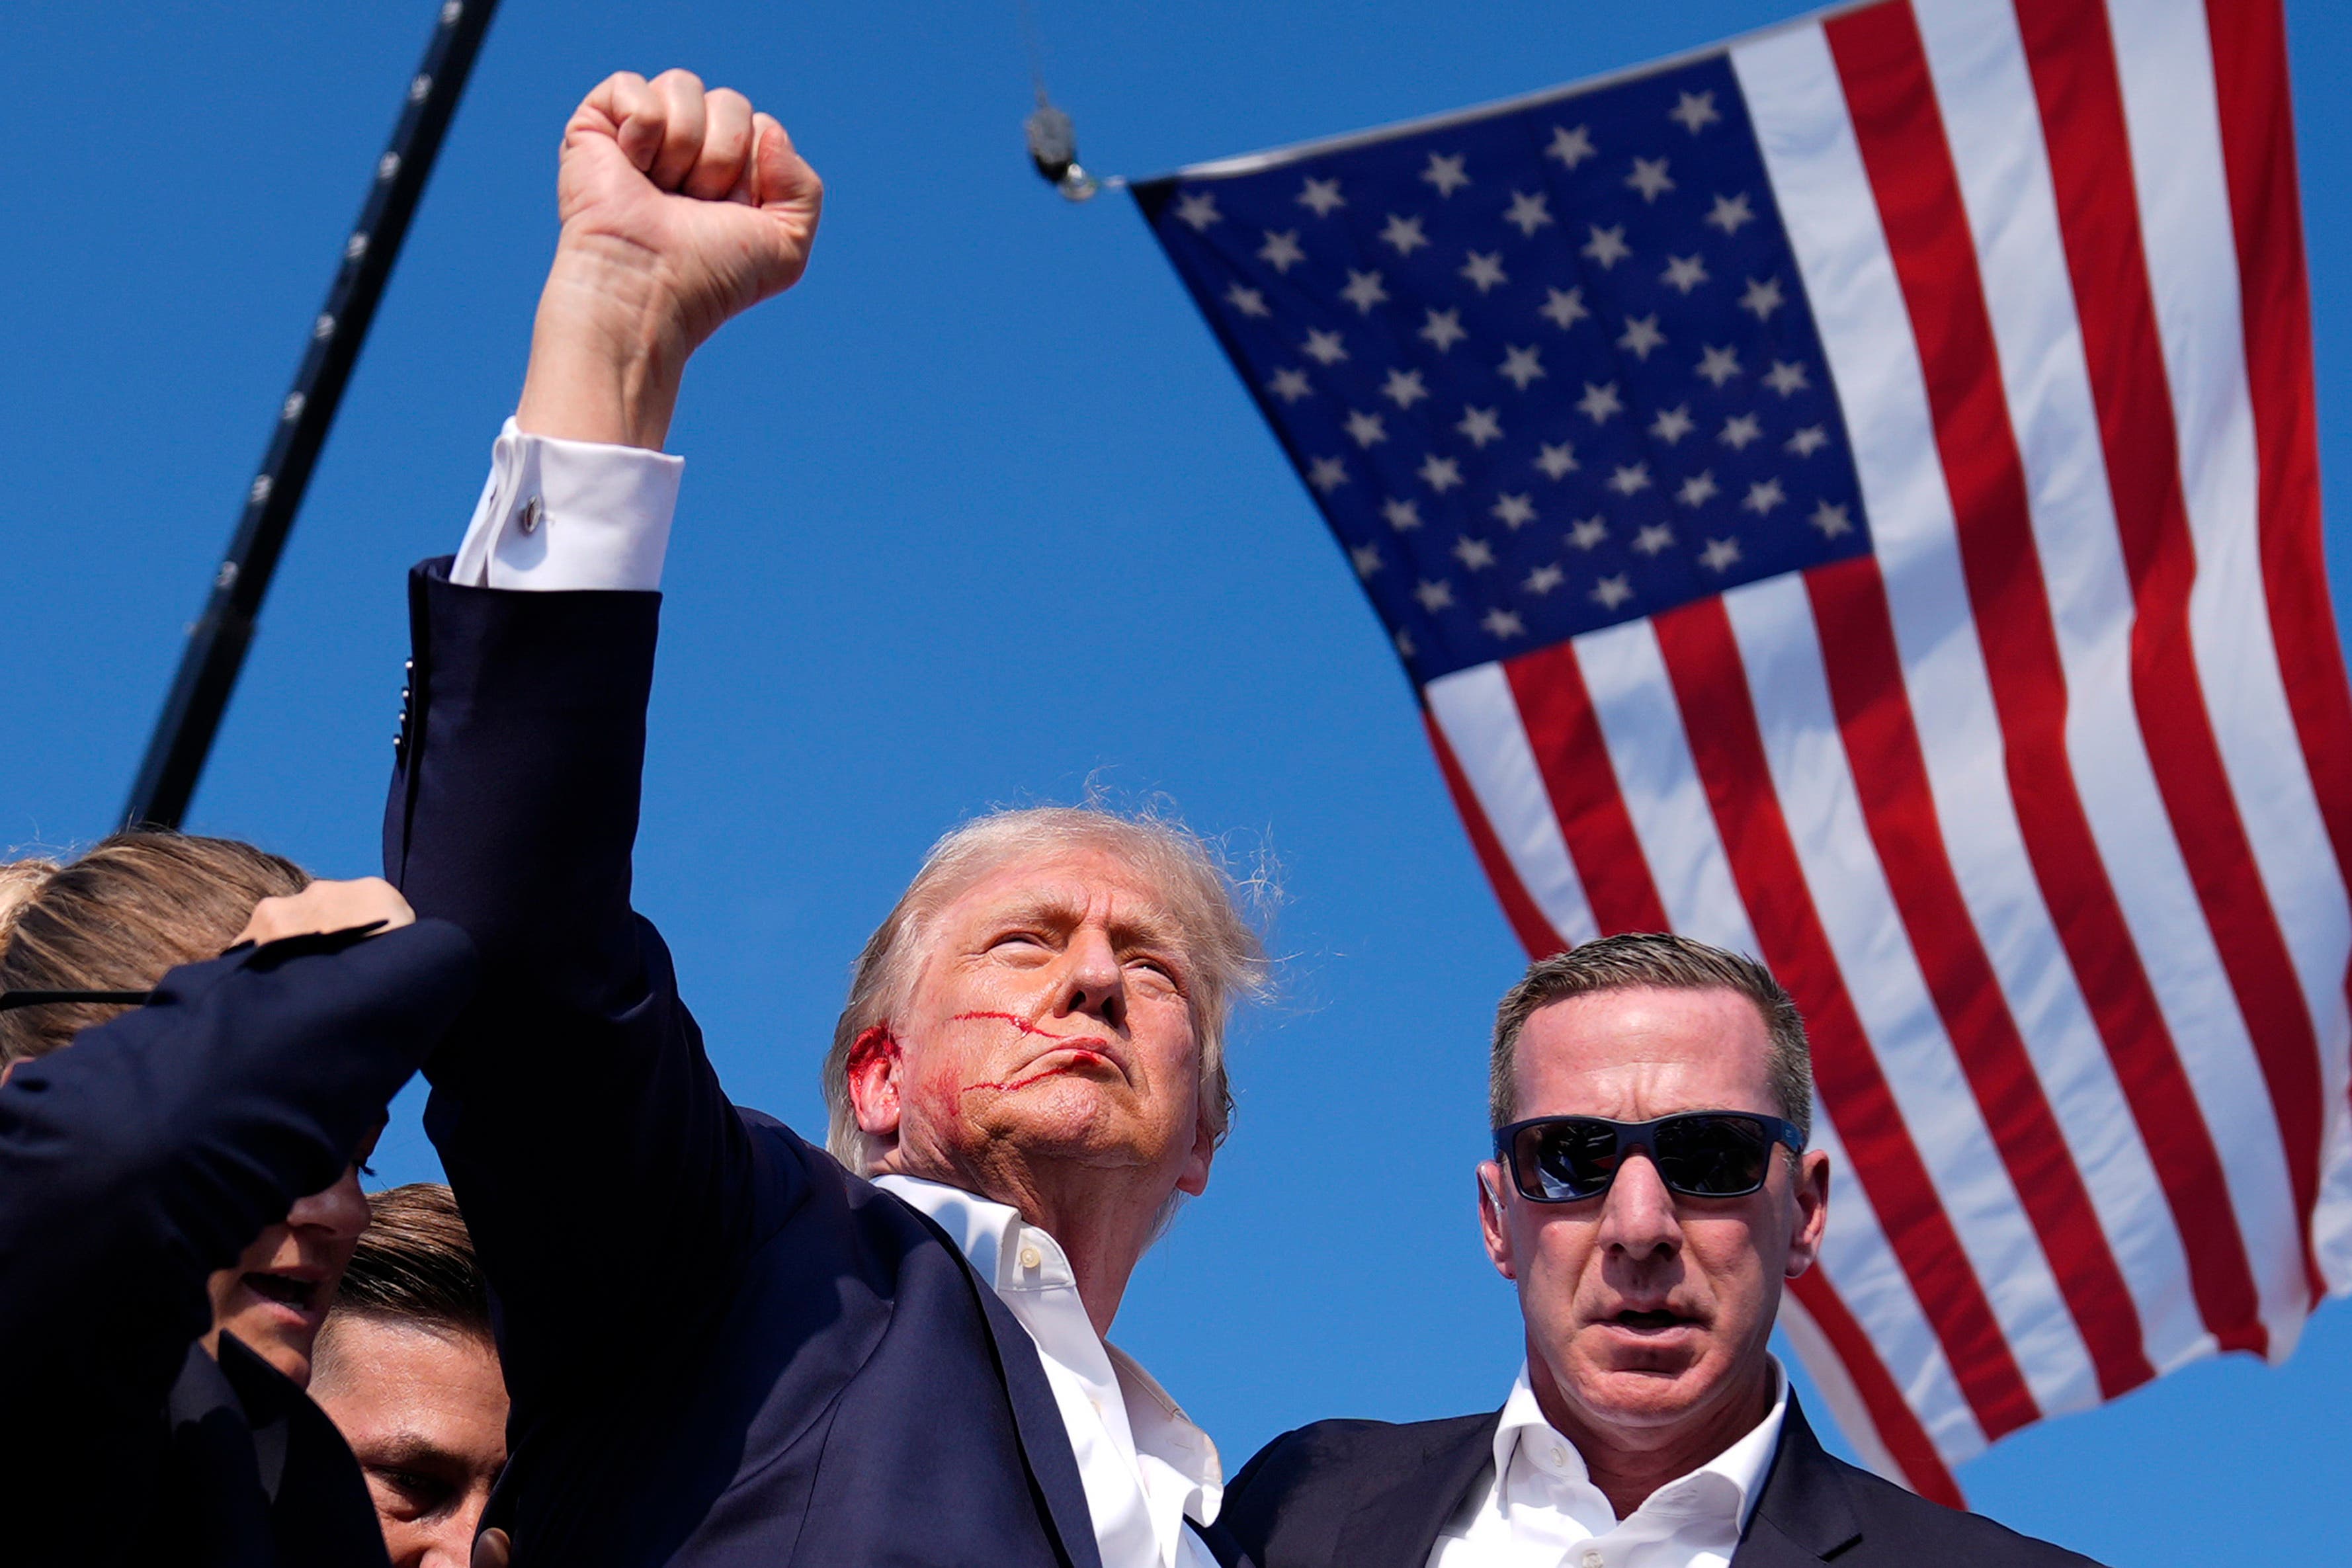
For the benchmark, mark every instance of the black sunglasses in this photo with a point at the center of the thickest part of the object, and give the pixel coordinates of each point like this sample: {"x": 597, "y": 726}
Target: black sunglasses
{"x": 1699, "y": 1154}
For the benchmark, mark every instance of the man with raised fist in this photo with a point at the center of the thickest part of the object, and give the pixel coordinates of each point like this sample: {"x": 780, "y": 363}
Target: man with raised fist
{"x": 741, "y": 1350}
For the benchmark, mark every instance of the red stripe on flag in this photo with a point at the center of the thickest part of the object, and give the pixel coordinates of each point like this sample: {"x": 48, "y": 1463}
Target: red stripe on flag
{"x": 1884, "y": 69}
{"x": 1535, "y": 932}
{"x": 1898, "y": 1425}
{"x": 1890, "y": 774}
{"x": 2250, "y": 72}
{"x": 2071, "y": 53}
{"x": 1573, "y": 757}
{"x": 1710, "y": 684}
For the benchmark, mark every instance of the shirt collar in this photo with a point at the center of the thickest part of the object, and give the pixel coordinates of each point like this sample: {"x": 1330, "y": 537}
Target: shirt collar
{"x": 1726, "y": 1486}
{"x": 1021, "y": 1260}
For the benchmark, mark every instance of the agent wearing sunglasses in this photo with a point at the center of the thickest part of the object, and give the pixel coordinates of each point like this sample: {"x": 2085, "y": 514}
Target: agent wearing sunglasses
{"x": 1650, "y": 1194}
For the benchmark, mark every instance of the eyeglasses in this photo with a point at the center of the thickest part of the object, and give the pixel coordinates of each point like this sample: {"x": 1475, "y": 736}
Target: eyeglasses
{"x": 1699, "y": 1154}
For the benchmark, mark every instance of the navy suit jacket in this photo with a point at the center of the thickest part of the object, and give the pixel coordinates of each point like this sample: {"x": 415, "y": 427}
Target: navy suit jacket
{"x": 722, "y": 1348}
{"x": 1369, "y": 1494}
{"x": 133, "y": 1165}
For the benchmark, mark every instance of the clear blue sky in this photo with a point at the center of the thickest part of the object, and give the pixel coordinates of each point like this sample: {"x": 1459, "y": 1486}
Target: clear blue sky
{"x": 977, "y": 515}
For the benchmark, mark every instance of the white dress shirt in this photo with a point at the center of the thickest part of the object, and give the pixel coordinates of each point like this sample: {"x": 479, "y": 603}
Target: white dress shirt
{"x": 1537, "y": 1505}
{"x": 560, "y": 515}
{"x": 1145, "y": 1467}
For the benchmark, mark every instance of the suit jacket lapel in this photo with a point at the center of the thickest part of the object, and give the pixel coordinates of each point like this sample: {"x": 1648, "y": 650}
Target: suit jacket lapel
{"x": 1804, "y": 1514}
{"x": 1044, "y": 1438}
{"x": 1397, "y": 1527}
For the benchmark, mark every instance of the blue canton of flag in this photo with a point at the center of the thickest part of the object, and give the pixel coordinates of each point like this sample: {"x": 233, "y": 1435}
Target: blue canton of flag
{"x": 1544, "y": 371}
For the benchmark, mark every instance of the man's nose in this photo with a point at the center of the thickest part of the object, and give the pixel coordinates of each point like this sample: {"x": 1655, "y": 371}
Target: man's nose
{"x": 1638, "y": 1216}
{"x": 341, "y": 1209}
{"x": 1094, "y": 983}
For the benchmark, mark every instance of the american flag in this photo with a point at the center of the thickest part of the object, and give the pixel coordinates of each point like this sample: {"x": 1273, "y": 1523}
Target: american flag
{"x": 1851, "y": 496}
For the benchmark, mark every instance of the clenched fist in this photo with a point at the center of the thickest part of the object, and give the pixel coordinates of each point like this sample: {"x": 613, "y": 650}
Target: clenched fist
{"x": 681, "y": 208}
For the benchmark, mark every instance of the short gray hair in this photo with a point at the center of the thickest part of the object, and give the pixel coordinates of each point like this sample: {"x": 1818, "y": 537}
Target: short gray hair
{"x": 1666, "y": 962}
{"x": 1225, "y": 962}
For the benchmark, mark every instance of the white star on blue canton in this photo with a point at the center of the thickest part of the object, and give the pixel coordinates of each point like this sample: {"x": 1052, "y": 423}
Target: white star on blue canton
{"x": 1477, "y": 554}
{"x": 1652, "y": 539}
{"x": 1327, "y": 473}
{"x": 1440, "y": 473}
{"x": 1290, "y": 385}
{"x": 1786, "y": 379}
{"x": 1607, "y": 246}
{"x": 1320, "y": 196}
{"x": 1281, "y": 250}
{"x": 1763, "y": 298}
{"x": 1366, "y": 558}
{"x": 1720, "y": 365}
{"x": 1403, "y": 235}
{"x": 1571, "y": 147}
{"x": 1365, "y": 429}
{"x": 1730, "y": 212}
{"x": 1363, "y": 291}
{"x": 1631, "y": 480}
{"x": 1504, "y": 624}
{"x": 1404, "y": 516}
{"x": 1650, "y": 178}
{"x": 1513, "y": 511}
{"x": 1641, "y": 336}
{"x": 1478, "y": 426}
{"x": 1698, "y": 489}
{"x": 1434, "y": 596}
{"x": 1762, "y": 496}
{"x": 1197, "y": 208}
{"x": 1611, "y": 591}
{"x": 1588, "y": 532}
{"x": 1684, "y": 273}
{"x": 1673, "y": 423}
{"x": 1520, "y": 366}
{"x": 1739, "y": 430}
{"x": 1445, "y": 174}
{"x": 1556, "y": 459}
{"x": 1323, "y": 347}
{"x": 1485, "y": 268}
{"x": 1443, "y": 329}
{"x": 1404, "y": 387}
{"x": 1246, "y": 300}
{"x": 1527, "y": 214}
{"x": 1544, "y": 578}
{"x": 1720, "y": 555}
{"x": 1832, "y": 520}
{"x": 1807, "y": 441}
{"x": 1599, "y": 402}
{"x": 1696, "y": 111}
{"x": 1564, "y": 307}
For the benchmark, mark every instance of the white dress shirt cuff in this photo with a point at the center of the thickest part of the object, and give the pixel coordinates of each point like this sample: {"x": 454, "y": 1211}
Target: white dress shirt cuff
{"x": 561, "y": 514}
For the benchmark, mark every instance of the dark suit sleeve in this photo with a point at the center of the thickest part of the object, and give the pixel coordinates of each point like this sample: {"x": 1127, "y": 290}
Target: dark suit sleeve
{"x": 605, "y": 1177}
{"x": 153, "y": 1150}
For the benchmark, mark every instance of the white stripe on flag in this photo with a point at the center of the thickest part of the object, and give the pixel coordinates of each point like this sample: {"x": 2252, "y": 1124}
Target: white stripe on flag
{"x": 1773, "y": 623}
{"x": 1875, "y": 1288}
{"x": 1481, "y": 721}
{"x": 1625, "y": 675}
{"x": 1978, "y": 60}
{"x": 1825, "y": 198}
{"x": 2164, "y": 57}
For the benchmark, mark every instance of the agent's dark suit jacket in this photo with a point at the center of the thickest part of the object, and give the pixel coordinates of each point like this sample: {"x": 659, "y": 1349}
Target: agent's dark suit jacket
{"x": 1368, "y": 1494}
{"x": 722, "y": 1348}
{"x": 134, "y": 1163}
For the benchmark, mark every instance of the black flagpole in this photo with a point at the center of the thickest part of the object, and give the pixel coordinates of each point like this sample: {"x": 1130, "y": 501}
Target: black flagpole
{"x": 217, "y": 644}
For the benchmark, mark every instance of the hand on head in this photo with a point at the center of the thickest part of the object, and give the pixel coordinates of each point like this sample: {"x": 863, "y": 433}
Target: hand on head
{"x": 681, "y": 208}
{"x": 325, "y": 906}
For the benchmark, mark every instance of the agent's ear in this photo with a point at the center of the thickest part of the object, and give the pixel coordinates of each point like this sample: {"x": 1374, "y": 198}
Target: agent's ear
{"x": 1812, "y": 1196}
{"x": 874, "y": 1070}
{"x": 1494, "y": 1219}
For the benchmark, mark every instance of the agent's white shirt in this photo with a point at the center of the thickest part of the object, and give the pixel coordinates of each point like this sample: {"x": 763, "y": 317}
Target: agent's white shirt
{"x": 572, "y": 515}
{"x": 1537, "y": 1505}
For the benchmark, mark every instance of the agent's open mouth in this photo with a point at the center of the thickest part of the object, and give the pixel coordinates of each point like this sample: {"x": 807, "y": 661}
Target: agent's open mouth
{"x": 1650, "y": 1320}
{"x": 286, "y": 1290}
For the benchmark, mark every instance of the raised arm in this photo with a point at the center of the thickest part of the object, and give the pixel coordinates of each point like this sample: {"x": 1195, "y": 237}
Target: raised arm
{"x": 514, "y": 808}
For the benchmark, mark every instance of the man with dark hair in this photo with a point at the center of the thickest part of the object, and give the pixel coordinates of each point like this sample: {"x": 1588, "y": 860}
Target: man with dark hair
{"x": 407, "y": 1371}
{"x": 1641, "y": 1087}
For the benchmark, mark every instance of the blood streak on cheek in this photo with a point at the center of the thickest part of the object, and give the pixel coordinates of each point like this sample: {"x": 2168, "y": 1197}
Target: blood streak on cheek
{"x": 1026, "y": 1026}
